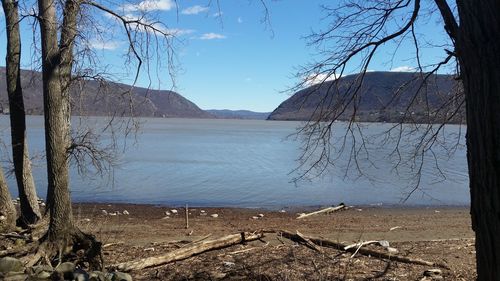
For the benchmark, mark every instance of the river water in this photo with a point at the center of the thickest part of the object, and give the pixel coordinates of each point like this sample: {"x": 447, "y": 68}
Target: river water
{"x": 250, "y": 163}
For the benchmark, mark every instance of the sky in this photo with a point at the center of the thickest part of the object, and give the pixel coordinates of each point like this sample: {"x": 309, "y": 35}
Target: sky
{"x": 227, "y": 56}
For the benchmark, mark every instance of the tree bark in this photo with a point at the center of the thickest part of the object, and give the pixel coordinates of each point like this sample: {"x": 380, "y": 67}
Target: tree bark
{"x": 56, "y": 67}
{"x": 7, "y": 209}
{"x": 30, "y": 212}
{"x": 478, "y": 50}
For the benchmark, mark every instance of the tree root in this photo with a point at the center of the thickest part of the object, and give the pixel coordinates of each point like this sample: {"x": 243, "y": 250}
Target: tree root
{"x": 80, "y": 248}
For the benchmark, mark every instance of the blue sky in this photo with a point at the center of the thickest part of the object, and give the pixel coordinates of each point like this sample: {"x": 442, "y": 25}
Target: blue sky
{"x": 233, "y": 61}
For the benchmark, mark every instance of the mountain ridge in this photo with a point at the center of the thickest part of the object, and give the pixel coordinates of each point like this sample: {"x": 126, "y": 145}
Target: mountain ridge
{"x": 105, "y": 99}
{"x": 382, "y": 97}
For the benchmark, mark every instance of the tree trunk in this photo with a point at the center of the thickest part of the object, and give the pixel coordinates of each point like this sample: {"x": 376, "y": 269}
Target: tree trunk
{"x": 7, "y": 209}
{"x": 478, "y": 49}
{"x": 30, "y": 212}
{"x": 57, "y": 125}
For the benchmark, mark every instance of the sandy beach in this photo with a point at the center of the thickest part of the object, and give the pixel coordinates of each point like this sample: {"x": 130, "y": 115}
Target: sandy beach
{"x": 437, "y": 234}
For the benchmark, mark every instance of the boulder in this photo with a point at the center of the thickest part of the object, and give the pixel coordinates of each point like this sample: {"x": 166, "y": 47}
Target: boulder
{"x": 120, "y": 276}
{"x": 8, "y": 264}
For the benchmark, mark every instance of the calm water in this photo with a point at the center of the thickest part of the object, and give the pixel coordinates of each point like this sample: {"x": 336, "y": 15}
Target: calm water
{"x": 249, "y": 163}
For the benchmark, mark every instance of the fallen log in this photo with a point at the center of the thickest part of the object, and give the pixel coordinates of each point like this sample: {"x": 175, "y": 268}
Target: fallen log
{"x": 322, "y": 211}
{"x": 367, "y": 252}
{"x": 186, "y": 252}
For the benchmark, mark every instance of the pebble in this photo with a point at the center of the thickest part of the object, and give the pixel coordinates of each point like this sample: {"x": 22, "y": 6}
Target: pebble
{"x": 125, "y": 212}
{"x": 214, "y": 215}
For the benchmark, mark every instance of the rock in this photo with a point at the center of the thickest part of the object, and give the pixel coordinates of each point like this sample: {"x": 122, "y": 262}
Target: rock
{"x": 384, "y": 243}
{"x": 65, "y": 269}
{"x": 113, "y": 214}
{"x": 164, "y": 218}
{"x": 3, "y": 218}
{"x": 104, "y": 212}
{"x": 43, "y": 275}
{"x": 167, "y": 213}
{"x": 202, "y": 211}
{"x": 99, "y": 276}
{"x": 8, "y": 264}
{"x": 80, "y": 275}
{"x": 214, "y": 215}
{"x": 15, "y": 276}
{"x": 255, "y": 218}
{"x": 120, "y": 276}
{"x": 174, "y": 211}
{"x": 150, "y": 249}
{"x": 392, "y": 250}
{"x": 282, "y": 211}
{"x": 125, "y": 212}
{"x": 229, "y": 264}
{"x": 42, "y": 204}
{"x": 86, "y": 220}
{"x": 433, "y": 272}
{"x": 40, "y": 271}
{"x": 260, "y": 215}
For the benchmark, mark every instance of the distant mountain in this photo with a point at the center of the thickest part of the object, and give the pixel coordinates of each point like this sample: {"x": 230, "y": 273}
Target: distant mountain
{"x": 106, "y": 99}
{"x": 382, "y": 97}
{"x": 238, "y": 114}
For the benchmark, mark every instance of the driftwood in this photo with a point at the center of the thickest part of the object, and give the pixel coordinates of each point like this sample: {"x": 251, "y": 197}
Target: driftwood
{"x": 322, "y": 211}
{"x": 360, "y": 244}
{"x": 309, "y": 243}
{"x": 363, "y": 251}
{"x": 183, "y": 253}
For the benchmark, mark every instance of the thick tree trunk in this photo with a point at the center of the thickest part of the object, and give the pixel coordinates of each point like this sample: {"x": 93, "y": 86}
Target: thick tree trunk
{"x": 478, "y": 49}
{"x": 30, "y": 212}
{"x": 57, "y": 122}
{"x": 7, "y": 209}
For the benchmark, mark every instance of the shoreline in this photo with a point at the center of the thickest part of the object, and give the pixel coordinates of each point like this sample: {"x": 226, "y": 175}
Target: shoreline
{"x": 278, "y": 207}
{"x": 440, "y": 234}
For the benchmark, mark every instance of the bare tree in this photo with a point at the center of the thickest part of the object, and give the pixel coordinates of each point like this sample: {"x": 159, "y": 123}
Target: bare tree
{"x": 58, "y": 53}
{"x": 357, "y": 33}
{"x": 7, "y": 209}
{"x": 30, "y": 212}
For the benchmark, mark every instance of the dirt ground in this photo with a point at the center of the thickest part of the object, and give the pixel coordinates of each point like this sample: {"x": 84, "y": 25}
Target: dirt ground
{"x": 435, "y": 234}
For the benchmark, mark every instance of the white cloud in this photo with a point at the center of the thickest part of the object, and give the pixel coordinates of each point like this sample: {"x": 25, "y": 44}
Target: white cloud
{"x": 317, "y": 78}
{"x": 104, "y": 45}
{"x": 157, "y": 25}
{"x": 239, "y": 20}
{"x": 194, "y": 10}
{"x": 403, "y": 68}
{"x": 211, "y": 36}
{"x": 150, "y": 5}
